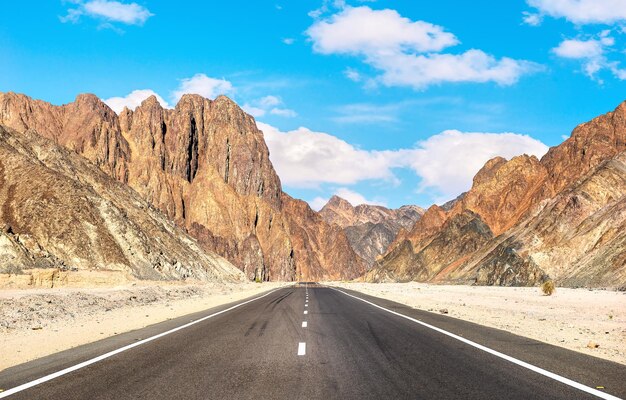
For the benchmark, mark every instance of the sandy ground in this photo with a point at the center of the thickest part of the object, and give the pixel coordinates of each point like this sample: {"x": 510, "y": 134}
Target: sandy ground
{"x": 38, "y": 322}
{"x": 570, "y": 318}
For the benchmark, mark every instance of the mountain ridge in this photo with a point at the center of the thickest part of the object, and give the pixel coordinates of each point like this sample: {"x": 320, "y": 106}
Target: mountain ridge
{"x": 204, "y": 163}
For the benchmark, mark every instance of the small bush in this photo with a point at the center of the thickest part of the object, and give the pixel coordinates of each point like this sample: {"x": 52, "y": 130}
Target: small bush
{"x": 548, "y": 287}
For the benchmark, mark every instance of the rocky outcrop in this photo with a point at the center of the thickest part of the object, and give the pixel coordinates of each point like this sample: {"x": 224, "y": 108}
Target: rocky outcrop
{"x": 588, "y": 146}
{"x": 577, "y": 238}
{"x": 204, "y": 164}
{"x": 87, "y": 126}
{"x": 460, "y": 235}
{"x": 503, "y": 191}
{"x": 542, "y": 230}
{"x": 369, "y": 228}
{"x": 61, "y": 211}
{"x": 318, "y": 244}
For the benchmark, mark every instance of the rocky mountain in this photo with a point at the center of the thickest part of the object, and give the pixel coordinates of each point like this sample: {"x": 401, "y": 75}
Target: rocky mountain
{"x": 204, "y": 164}
{"x": 460, "y": 235}
{"x": 369, "y": 228}
{"x": 557, "y": 217}
{"x": 59, "y": 210}
{"x": 578, "y": 237}
{"x": 318, "y": 244}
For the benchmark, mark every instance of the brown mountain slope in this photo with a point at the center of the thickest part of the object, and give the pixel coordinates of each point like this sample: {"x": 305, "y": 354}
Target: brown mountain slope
{"x": 460, "y": 235}
{"x": 369, "y": 228}
{"x": 504, "y": 193}
{"x": 59, "y": 210}
{"x": 204, "y": 164}
{"x": 318, "y": 244}
{"x": 577, "y": 238}
{"x": 87, "y": 126}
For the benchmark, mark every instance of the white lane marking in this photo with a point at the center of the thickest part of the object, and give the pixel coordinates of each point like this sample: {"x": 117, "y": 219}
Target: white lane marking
{"x": 306, "y": 305}
{"x": 304, "y": 324}
{"x": 521, "y": 363}
{"x": 301, "y": 348}
{"x": 306, "y": 312}
{"x": 117, "y": 351}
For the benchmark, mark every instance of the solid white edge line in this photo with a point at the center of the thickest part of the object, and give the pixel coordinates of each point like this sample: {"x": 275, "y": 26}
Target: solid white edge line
{"x": 301, "y": 349}
{"x": 521, "y": 363}
{"x": 94, "y": 360}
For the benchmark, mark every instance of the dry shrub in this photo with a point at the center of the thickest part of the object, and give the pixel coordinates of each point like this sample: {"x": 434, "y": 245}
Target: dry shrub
{"x": 548, "y": 287}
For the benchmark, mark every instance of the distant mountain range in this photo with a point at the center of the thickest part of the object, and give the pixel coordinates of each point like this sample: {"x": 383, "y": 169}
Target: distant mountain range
{"x": 191, "y": 192}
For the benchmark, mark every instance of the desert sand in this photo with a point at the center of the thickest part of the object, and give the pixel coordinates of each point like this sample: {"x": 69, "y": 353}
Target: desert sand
{"x": 38, "y": 322}
{"x": 570, "y": 318}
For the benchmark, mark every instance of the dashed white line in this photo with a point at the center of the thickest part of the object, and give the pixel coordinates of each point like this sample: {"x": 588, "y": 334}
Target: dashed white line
{"x": 306, "y": 305}
{"x": 521, "y": 363}
{"x": 306, "y": 312}
{"x": 304, "y": 324}
{"x": 301, "y": 348}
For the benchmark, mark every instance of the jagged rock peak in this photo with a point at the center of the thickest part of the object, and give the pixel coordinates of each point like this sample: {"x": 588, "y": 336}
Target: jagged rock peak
{"x": 151, "y": 101}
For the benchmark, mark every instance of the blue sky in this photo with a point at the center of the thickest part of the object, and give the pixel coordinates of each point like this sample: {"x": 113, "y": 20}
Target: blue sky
{"x": 384, "y": 102}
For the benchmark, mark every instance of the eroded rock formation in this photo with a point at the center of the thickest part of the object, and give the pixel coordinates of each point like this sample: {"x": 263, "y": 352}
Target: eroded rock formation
{"x": 61, "y": 211}
{"x": 560, "y": 217}
{"x": 369, "y": 228}
{"x": 204, "y": 164}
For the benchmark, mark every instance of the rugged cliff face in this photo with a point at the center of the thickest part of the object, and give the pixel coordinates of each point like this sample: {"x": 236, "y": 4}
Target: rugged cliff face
{"x": 204, "y": 164}
{"x": 59, "y": 210}
{"x": 318, "y": 244}
{"x": 578, "y": 237}
{"x": 87, "y": 126}
{"x": 370, "y": 229}
{"x": 541, "y": 230}
{"x": 460, "y": 235}
{"x": 207, "y": 166}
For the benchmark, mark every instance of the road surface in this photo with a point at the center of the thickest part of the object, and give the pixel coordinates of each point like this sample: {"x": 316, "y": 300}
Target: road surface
{"x": 309, "y": 341}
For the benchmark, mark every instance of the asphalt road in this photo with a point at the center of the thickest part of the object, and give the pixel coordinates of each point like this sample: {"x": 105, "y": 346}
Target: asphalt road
{"x": 315, "y": 342}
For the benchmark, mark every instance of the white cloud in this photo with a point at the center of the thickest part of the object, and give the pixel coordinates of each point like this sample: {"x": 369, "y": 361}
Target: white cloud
{"x": 471, "y": 66}
{"x": 583, "y": 11}
{"x": 387, "y": 31}
{"x": 304, "y": 158}
{"x": 289, "y": 41}
{"x": 446, "y": 162}
{"x": 366, "y": 113}
{"x": 132, "y": 100}
{"x": 317, "y": 203}
{"x": 577, "y": 49}
{"x": 532, "y": 19}
{"x": 202, "y": 85}
{"x": 352, "y": 74}
{"x": 592, "y": 52}
{"x": 267, "y": 104}
{"x": 256, "y": 112}
{"x": 354, "y": 198}
{"x": 592, "y": 49}
{"x": 110, "y": 11}
{"x": 269, "y": 101}
{"x": 409, "y": 52}
{"x": 283, "y": 112}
